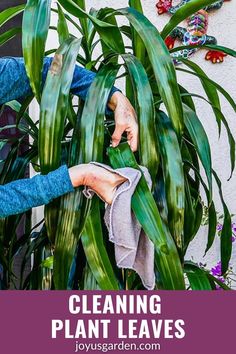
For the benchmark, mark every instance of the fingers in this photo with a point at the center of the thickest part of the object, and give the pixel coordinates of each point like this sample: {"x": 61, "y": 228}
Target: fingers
{"x": 132, "y": 138}
{"x": 132, "y": 135}
{"x": 126, "y": 121}
{"x": 116, "y": 137}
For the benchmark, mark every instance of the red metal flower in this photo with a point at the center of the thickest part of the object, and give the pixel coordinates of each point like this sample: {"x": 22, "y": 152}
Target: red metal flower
{"x": 215, "y": 56}
{"x": 170, "y": 42}
{"x": 163, "y": 6}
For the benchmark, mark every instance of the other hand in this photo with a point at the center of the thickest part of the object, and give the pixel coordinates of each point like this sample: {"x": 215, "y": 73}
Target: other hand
{"x": 125, "y": 120}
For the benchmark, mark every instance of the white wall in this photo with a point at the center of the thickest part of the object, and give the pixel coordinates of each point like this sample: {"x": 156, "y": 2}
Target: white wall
{"x": 222, "y": 24}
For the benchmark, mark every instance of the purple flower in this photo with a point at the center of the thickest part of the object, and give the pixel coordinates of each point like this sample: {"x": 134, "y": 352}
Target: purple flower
{"x": 219, "y": 227}
{"x": 233, "y": 225}
{"x": 233, "y": 239}
{"x": 216, "y": 271}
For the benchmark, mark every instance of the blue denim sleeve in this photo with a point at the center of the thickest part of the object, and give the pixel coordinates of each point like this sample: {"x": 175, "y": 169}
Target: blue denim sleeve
{"x": 18, "y": 196}
{"x": 14, "y": 83}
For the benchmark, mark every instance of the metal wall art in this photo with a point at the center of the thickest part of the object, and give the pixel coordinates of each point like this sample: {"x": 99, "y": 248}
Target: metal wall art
{"x": 195, "y": 33}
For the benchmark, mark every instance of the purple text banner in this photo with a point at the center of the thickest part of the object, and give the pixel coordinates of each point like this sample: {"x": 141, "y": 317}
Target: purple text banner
{"x": 64, "y": 322}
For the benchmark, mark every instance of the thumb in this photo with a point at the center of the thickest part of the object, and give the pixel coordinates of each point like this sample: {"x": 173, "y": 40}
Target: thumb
{"x": 116, "y": 137}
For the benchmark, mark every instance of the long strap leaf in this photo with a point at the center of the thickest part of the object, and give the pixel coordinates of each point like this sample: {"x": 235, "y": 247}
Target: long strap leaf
{"x": 62, "y": 28}
{"x": 209, "y": 88}
{"x": 73, "y": 209}
{"x": 212, "y": 217}
{"x": 53, "y": 111}
{"x": 200, "y": 141}
{"x": 138, "y": 45}
{"x": 83, "y": 21}
{"x": 220, "y": 48}
{"x": 167, "y": 259}
{"x": 197, "y": 277}
{"x": 54, "y": 104}
{"x": 6, "y": 36}
{"x": 9, "y": 13}
{"x": 110, "y": 34}
{"x": 186, "y": 97}
{"x": 162, "y": 65}
{"x": 146, "y": 115}
{"x": 173, "y": 175}
{"x": 226, "y": 232}
{"x": 36, "y": 21}
{"x": 218, "y": 282}
{"x": 95, "y": 251}
{"x": 222, "y": 118}
{"x": 217, "y": 86}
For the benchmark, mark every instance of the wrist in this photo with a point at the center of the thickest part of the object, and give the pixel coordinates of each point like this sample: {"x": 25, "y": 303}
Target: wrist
{"x": 77, "y": 175}
{"x": 113, "y": 102}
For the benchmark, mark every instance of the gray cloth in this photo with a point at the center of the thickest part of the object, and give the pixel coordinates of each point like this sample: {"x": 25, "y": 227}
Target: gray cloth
{"x": 133, "y": 249}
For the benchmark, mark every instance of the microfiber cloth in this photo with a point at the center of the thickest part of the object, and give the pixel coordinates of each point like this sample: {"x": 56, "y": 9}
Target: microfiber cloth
{"x": 133, "y": 249}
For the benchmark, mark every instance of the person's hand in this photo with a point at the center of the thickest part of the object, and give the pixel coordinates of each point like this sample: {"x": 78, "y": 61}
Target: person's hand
{"x": 104, "y": 182}
{"x": 125, "y": 120}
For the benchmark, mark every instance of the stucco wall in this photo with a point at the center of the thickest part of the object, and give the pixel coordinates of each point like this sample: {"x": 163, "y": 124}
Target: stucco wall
{"x": 222, "y": 24}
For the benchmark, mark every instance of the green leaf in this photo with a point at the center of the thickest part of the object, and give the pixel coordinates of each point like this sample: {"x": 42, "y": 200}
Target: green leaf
{"x": 182, "y": 13}
{"x": 83, "y": 21}
{"x": 197, "y": 277}
{"x": 54, "y": 104}
{"x": 217, "y": 86}
{"x": 189, "y": 214}
{"x": 209, "y": 88}
{"x": 15, "y": 166}
{"x": 62, "y": 28}
{"x": 138, "y": 45}
{"x": 222, "y": 118}
{"x": 173, "y": 176}
{"x": 218, "y": 282}
{"x": 186, "y": 98}
{"x": 31, "y": 127}
{"x": 159, "y": 195}
{"x": 226, "y": 232}
{"x": 95, "y": 105}
{"x": 73, "y": 209}
{"x": 162, "y": 65}
{"x": 107, "y": 14}
{"x": 200, "y": 141}
{"x": 219, "y": 48}
{"x": 212, "y": 223}
{"x": 68, "y": 18}
{"x": 38, "y": 242}
{"x": 53, "y": 110}
{"x": 110, "y": 34}
{"x": 36, "y": 21}
{"x": 136, "y": 4}
{"x": 69, "y": 214}
{"x": 48, "y": 262}
{"x": 95, "y": 251}
{"x": 148, "y": 152}
{"x": 145, "y": 209}
{"x": 9, "y": 13}
{"x": 89, "y": 282}
{"x": 7, "y": 36}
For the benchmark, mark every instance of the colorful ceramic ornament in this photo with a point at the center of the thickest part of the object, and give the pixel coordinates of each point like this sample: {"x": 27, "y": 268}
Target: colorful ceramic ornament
{"x": 195, "y": 32}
